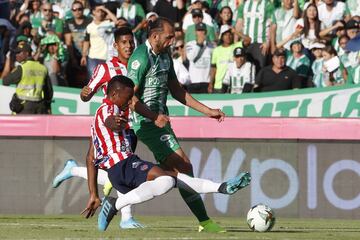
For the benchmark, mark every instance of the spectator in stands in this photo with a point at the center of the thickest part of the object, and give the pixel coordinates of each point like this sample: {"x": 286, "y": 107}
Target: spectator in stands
{"x": 277, "y": 76}
{"x": 14, "y": 11}
{"x": 134, "y": 14}
{"x": 199, "y": 54}
{"x": 284, "y": 22}
{"x": 352, "y": 30}
{"x": 55, "y": 58}
{"x": 171, "y": 9}
{"x": 334, "y": 71}
{"x": 181, "y": 63}
{"x": 179, "y": 34}
{"x": 224, "y": 17}
{"x": 188, "y": 19}
{"x": 7, "y": 32}
{"x": 33, "y": 91}
{"x": 221, "y": 57}
{"x": 86, "y": 11}
{"x": 317, "y": 65}
{"x": 240, "y": 75}
{"x": 32, "y": 8}
{"x": 299, "y": 62}
{"x": 10, "y": 57}
{"x": 255, "y": 22}
{"x": 340, "y": 31}
{"x": 352, "y": 8}
{"x": 49, "y": 23}
{"x": 74, "y": 33}
{"x": 190, "y": 34}
{"x": 331, "y": 11}
{"x": 95, "y": 48}
{"x": 312, "y": 28}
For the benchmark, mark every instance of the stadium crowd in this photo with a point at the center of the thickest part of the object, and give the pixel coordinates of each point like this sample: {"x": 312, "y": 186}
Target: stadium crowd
{"x": 221, "y": 46}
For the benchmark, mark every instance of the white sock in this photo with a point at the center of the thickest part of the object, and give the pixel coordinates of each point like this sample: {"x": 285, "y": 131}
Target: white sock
{"x": 82, "y": 172}
{"x": 125, "y": 211}
{"x": 146, "y": 191}
{"x": 198, "y": 185}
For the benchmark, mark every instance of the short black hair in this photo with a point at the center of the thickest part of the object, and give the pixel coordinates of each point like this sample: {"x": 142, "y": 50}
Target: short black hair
{"x": 118, "y": 81}
{"x": 121, "y": 32}
{"x": 77, "y": 2}
{"x": 158, "y": 25}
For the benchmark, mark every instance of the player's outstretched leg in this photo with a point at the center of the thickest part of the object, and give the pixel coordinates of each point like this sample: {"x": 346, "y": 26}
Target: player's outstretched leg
{"x": 65, "y": 173}
{"x": 107, "y": 212}
{"x": 235, "y": 184}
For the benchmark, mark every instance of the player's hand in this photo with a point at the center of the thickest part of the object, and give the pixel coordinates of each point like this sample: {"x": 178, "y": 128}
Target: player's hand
{"x": 217, "y": 114}
{"x": 121, "y": 121}
{"x": 85, "y": 92}
{"x": 92, "y": 205}
{"x": 161, "y": 120}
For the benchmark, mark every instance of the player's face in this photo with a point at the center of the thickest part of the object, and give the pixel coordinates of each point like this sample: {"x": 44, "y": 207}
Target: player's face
{"x": 122, "y": 97}
{"x": 125, "y": 46}
{"x": 166, "y": 38}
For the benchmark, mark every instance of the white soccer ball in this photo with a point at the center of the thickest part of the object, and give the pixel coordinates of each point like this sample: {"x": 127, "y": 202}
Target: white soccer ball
{"x": 261, "y": 218}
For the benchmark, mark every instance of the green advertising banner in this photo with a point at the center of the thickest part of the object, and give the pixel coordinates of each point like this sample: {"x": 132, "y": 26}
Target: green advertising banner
{"x": 338, "y": 102}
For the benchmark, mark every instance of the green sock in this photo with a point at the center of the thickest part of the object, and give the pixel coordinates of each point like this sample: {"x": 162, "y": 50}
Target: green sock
{"x": 195, "y": 203}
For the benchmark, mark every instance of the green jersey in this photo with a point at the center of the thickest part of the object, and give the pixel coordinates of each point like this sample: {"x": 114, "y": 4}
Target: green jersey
{"x": 301, "y": 65}
{"x": 151, "y": 73}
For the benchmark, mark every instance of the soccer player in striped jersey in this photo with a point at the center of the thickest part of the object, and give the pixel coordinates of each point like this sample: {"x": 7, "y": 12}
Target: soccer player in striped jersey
{"x": 141, "y": 180}
{"x": 124, "y": 45}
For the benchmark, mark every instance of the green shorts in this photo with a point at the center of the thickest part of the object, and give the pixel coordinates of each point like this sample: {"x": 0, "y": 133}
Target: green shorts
{"x": 161, "y": 141}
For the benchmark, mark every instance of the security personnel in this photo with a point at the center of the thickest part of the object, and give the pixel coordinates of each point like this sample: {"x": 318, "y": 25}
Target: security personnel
{"x": 34, "y": 90}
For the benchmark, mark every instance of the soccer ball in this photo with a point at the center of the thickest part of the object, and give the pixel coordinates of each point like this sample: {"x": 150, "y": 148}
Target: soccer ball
{"x": 260, "y": 218}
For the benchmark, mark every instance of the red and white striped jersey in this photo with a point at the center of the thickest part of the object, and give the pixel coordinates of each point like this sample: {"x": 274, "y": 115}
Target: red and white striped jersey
{"x": 102, "y": 75}
{"x": 110, "y": 147}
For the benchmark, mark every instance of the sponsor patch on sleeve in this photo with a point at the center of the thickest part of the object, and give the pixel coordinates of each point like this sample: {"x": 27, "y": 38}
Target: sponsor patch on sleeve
{"x": 135, "y": 64}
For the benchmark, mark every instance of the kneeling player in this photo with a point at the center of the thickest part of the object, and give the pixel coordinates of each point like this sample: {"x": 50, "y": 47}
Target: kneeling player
{"x": 141, "y": 180}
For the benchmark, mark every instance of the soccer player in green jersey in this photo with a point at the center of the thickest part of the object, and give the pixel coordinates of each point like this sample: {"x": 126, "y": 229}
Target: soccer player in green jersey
{"x": 151, "y": 69}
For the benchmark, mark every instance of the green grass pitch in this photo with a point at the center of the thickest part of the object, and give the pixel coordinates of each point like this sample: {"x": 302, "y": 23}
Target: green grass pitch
{"x": 72, "y": 227}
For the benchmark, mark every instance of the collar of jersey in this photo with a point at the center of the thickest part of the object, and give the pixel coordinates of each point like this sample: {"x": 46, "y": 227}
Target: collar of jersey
{"x": 108, "y": 101}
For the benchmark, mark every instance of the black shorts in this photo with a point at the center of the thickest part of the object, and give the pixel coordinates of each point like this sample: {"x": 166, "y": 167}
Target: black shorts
{"x": 129, "y": 173}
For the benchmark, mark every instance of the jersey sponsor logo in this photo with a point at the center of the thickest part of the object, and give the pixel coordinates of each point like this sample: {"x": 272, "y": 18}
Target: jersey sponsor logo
{"x": 144, "y": 167}
{"x": 135, "y": 164}
{"x": 135, "y": 64}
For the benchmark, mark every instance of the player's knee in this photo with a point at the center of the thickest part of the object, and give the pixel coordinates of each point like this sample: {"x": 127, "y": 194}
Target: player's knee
{"x": 166, "y": 183}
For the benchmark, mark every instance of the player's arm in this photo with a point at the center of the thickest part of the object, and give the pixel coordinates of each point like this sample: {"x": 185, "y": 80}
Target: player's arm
{"x": 185, "y": 98}
{"x": 96, "y": 81}
{"x": 92, "y": 172}
{"x": 160, "y": 120}
{"x": 137, "y": 70}
{"x": 116, "y": 123}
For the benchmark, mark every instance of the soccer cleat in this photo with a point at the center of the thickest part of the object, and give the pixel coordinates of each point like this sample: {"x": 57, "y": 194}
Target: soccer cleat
{"x": 210, "y": 226}
{"x": 107, "y": 188}
{"x": 107, "y": 212}
{"x": 130, "y": 224}
{"x": 237, "y": 183}
{"x": 65, "y": 173}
